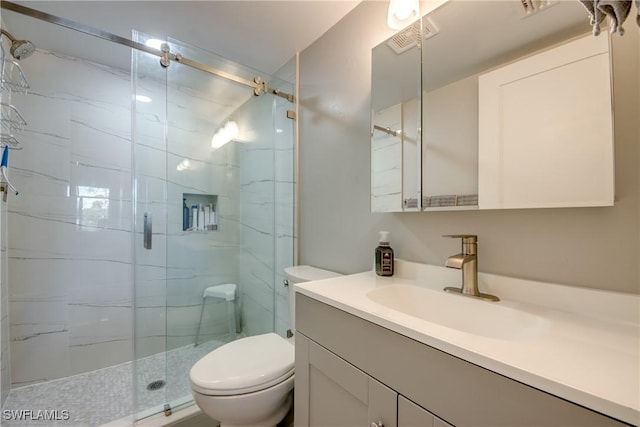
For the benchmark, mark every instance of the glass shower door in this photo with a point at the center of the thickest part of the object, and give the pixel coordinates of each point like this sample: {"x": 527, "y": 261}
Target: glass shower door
{"x": 222, "y": 215}
{"x": 149, "y": 153}
{"x": 204, "y": 235}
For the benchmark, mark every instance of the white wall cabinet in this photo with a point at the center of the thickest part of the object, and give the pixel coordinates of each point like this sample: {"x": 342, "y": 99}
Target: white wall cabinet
{"x": 546, "y": 129}
{"x": 352, "y": 372}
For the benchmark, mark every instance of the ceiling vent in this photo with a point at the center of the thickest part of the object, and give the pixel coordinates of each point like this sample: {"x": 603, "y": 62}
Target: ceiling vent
{"x": 409, "y": 37}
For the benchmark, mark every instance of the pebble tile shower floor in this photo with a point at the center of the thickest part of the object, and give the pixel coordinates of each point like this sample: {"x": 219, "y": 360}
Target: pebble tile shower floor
{"x": 98, "y": 397}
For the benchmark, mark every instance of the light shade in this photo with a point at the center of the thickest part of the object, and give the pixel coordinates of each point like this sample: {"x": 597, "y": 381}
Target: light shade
{"x": 402, "y": 13}
{"x": 225, "y": 134}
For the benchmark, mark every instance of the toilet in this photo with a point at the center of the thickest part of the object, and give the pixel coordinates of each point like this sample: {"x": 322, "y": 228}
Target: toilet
{"x": 249, "y": 382}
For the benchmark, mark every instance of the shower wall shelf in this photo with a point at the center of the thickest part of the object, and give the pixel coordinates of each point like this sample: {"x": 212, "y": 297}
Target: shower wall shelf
{"x": 12, "y": 120}
{"x": 199, "y": 212}
{"x": 10, "y": 140}
{"x": 13, "y": 77}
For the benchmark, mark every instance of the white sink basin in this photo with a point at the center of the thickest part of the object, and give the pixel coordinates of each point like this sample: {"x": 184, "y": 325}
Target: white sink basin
{"x": 489, "y": 319}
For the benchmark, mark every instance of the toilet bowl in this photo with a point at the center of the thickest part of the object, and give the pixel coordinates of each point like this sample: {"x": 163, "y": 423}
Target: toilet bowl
{"x": 249, "y": 382}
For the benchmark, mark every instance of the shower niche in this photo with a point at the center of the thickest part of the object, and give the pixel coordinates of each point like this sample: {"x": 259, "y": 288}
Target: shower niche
{"x": 199, "y": 212}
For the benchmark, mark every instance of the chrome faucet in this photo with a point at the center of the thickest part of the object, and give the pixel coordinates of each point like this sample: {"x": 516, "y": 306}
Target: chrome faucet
{"x": 467, "y": 261}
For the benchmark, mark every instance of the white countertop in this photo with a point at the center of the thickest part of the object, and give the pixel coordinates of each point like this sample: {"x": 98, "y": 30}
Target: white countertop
{"x": 589, "y": 354}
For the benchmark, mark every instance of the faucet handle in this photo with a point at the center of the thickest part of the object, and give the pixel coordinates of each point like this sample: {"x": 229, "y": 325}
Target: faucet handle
{"x": 469, "y": 242}
{"x": 466, "y": 238}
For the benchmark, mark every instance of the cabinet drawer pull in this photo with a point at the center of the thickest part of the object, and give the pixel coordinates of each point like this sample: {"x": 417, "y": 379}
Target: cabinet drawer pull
{"x": 378, "y": 424}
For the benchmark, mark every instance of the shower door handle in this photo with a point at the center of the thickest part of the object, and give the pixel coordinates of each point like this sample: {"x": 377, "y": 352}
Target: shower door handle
{"x": 148, "y": 230}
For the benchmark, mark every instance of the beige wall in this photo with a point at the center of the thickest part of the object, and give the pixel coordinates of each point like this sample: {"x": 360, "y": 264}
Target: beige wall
{"x": 590, "y": 247}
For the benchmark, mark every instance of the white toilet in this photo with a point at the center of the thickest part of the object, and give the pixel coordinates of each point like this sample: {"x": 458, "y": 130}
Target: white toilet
{"x": 249, "y": 382}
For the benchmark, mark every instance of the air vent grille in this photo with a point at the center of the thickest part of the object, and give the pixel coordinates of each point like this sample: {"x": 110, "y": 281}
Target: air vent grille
{"x": 409, "y": 37}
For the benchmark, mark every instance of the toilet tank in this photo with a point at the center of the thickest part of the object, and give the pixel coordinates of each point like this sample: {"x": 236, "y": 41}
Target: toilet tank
{"x": 299, "y": 274}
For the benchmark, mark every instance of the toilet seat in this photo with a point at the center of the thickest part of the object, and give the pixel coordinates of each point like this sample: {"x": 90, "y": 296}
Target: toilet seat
{"x": 244, "y": 366}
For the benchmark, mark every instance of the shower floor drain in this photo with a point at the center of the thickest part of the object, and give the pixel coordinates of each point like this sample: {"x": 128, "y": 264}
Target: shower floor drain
{"x": 155, "y": 385}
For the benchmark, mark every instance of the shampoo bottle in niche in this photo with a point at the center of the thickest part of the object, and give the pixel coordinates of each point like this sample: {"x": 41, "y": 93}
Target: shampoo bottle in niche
{"x": 384, "y": 256}
{"x": 185, "y": 215}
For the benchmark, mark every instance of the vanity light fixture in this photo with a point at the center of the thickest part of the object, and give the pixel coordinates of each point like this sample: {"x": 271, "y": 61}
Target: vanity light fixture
{"x": 226, "y": 133}
{"x": 402, "y": 13}
{"x": 143, "y": 98}
{"x": 184, "y": 165}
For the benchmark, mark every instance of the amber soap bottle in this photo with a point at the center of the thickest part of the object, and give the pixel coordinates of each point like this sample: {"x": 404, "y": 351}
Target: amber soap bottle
{"x": 384, "y": 256}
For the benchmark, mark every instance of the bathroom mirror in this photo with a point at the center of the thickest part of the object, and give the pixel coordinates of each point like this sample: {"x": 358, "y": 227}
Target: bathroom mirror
{"x": 516, "y": 107}
{"x": 395, "y": 123}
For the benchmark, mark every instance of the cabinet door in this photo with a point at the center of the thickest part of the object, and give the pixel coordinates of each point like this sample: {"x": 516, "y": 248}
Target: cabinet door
{"x": 546, "y": 129}
{"x": 332, "y": 392}
{"x": 412, "y": 415}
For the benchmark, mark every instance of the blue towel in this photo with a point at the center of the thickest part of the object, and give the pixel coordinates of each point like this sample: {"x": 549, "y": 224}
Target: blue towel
{"x": 5, "y": 157}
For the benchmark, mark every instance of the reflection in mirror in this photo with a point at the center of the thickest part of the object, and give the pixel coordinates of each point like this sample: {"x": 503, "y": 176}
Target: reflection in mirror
{"x": 458, "y": 170}
{"x": 472, "y": 157}
{"x": 456, "y": 125}
{"x": 395, "y": 123}
{"x": 386, "y": 160}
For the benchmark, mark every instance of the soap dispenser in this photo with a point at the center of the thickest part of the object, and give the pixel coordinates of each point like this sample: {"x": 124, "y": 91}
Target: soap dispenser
{"x": 384, "y": 256}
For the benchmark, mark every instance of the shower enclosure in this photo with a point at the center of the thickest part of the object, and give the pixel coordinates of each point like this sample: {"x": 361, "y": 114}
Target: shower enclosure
{"x": 237, "y": 225}
{"x": 105, "y": 270}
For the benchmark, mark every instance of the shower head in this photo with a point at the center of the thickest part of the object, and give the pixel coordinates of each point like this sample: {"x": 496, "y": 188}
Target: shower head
{"x": 19, "y": 48}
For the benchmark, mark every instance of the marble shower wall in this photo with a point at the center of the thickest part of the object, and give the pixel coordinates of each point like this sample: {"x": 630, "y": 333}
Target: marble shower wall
{"x": 199, "y": 259}
{"x": 267, "y": 210}
{"x": 71, "y": 295}
{"x": 69, "y": 230}
{"x": 5, "y": 356}
{"x": 5, "y": 360}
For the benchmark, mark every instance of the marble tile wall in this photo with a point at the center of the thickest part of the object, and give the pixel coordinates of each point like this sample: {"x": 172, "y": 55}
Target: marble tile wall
{"x": 257, "y": 216}
{"x": 69, "y": 232}
{"x": 266, "y": 202}
{"x": 5, "y": 362}
{"x": 149, "y": 156}
{"x": 5, "y": 356}
{"x": 70, "y": 255}
{"x": 199, "y": 259}
{"x": 241, "y": 175}
{"x": 284, "y": 175}
{"x": 171, "y": 161}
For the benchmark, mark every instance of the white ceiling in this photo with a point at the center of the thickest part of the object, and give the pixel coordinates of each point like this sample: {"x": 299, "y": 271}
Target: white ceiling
{"x": 260, "y": 34}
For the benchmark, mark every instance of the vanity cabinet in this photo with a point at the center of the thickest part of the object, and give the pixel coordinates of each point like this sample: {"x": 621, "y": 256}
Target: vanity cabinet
{"x": 350, "y": 371}
{"x": 339, "y": 394}
{"x": 411, "y": 415}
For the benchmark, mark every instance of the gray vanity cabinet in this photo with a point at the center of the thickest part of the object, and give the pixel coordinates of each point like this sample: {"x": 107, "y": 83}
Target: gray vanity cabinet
{"x": 351, "y": 372}
{"x": 333, "y": 392}
{"x": 412, "y": 415}
{"x": 338, "y": 393}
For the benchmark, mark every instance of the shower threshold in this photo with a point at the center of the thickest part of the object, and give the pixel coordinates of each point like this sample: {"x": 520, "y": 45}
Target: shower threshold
{"x": 106, "y": 395}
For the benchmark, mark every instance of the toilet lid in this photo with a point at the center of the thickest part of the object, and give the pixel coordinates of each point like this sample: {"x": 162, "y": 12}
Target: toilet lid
{"x": 243, "y": 366}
